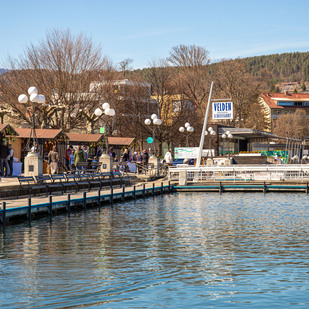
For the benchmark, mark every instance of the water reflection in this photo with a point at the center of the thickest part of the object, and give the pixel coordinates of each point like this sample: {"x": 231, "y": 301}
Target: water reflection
{"x": 200, "y": 249}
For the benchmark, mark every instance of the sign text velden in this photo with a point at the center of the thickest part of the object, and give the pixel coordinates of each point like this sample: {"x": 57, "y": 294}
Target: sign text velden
{"x": 222, "y": 110}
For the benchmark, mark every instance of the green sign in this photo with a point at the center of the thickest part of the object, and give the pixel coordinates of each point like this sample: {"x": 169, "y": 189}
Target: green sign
{"x": 102, "y": 130}
{"x": 149, "y": 140}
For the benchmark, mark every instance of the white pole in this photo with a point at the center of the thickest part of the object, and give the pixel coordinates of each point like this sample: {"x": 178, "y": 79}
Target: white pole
{"x": 199, "y": 155}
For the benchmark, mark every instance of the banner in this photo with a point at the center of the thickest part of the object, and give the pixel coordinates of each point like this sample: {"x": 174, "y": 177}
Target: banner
{"x": 191, "y": 152}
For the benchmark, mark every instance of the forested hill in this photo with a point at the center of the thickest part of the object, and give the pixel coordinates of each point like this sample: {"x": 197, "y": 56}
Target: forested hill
{"x": 287, "y": 67}
{"x": 283, "y": 67}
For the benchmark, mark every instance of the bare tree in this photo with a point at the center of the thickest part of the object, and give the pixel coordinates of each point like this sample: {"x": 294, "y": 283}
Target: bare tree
{"x": 233, "y": 81}
{"x": 192, "y": 78}
{"x": 125, "y": 66}
{"x": 61, "y": 66}
{"x": 292, "y": 125}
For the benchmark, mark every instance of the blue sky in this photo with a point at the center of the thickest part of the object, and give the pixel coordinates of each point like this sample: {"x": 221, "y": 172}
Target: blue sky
{"x": 146, "y": 30}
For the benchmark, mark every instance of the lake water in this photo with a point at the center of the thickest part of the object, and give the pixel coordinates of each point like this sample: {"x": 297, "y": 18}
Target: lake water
{"x": 186, "y": 250}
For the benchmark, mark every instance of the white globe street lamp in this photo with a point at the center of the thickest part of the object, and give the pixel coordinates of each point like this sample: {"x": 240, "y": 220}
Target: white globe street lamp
{"x": 109, "y": 114}
{"x": 188, "y": 129}
{"x": 34, "y": 98}
{"x": 227, "y": 135}
{"x": 211, "y": 132}
{"x": 155, "y": 122}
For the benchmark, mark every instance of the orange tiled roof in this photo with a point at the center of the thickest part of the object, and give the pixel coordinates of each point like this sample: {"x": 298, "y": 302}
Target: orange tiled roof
{"x": 40, "y": 133}
{"x": 120, "y": 140}
{"x": 83, "y": 137}
{"x": 86, "y": 138}
{"x": 273, "y": 97}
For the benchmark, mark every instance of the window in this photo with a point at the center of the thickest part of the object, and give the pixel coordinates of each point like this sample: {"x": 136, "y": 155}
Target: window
{"x": 176, "y": 106}
{"x": 285, "y": 103}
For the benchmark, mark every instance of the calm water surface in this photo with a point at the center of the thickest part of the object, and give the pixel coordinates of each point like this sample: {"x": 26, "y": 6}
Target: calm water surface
{"x": 188, "y": 250}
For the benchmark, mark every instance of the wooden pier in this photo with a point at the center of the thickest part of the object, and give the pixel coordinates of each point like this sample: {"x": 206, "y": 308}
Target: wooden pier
{"x": 27, "y": 209}
{"x": 17, "y": 210}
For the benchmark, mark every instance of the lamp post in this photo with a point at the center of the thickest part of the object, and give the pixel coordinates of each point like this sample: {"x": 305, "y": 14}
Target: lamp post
{"x": 3, "y": 111}
{"x": 155, "y": 122}
{"x": 211, "y": 132}
{"x": 33, "y": 161}
{"x": 105, "y": 159}
{"x": 188, "y": 129}
{"x": 109, "y": 114}
{"x": 229, "y": 136}
{"x": 34, "y": 98}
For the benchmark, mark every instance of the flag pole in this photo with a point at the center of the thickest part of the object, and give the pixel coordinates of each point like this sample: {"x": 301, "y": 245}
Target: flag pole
{"x": 199, "y": 155}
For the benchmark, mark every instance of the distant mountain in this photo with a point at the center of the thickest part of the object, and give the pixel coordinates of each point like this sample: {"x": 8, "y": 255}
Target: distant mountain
{"x": 3, "y": 71}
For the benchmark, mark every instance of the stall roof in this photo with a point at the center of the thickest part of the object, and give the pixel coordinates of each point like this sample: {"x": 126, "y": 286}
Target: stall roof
{"x": 83, "y": 137}
{"x": 120, "y": 140}
{"x": 40, "y": 133}
{"x": 93, "y": 138}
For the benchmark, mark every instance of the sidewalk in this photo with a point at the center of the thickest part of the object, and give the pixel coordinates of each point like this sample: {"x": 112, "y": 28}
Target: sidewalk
{"x": 9, "y": 181}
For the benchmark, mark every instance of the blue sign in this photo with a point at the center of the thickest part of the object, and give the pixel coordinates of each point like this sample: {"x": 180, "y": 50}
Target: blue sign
{"x": 149, "y": 140}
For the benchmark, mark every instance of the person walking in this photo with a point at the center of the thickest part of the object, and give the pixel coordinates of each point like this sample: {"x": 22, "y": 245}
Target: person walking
{"x": 53, "y": 160}
{"x": 10, "y": 159}
{"x": 86, "y": 153}
{"x": 68, "y": 153}
{"x": 78, "y": 157}
{"x": 125, "y": 157}
{"x": 145, "y": 158}
{"x": 138, "y": 162}
{"x": 4, "y": 152}
{"x": 168, "y": 157}
{"x": 112, "y": 153}
{"x": 71, "y": 161}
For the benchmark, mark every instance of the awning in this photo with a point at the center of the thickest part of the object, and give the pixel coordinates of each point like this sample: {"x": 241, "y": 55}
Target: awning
{"x": 248, "y": 133}
{"x": 40, "y": 133}
{"x": 123, "y": 141}
{"x": 85, "y": 138}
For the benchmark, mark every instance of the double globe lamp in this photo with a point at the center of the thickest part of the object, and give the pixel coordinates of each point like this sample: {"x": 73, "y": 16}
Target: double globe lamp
{"x": 34, "y": 98}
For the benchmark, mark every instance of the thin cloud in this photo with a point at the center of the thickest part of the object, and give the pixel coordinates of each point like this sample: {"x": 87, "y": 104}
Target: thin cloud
{"x": 152, "y": 33}
{"x": 265, "y": 49}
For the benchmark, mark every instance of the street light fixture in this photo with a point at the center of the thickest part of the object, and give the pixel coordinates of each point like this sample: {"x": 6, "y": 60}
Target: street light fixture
{"x": 187, "y": 128}
{"x": 155, "y": 122}
{"x": 34, "y": 98}
{"x": 212, "y": 132}
{"x": 109, "y": 114}
{"x": 229, "y": 136}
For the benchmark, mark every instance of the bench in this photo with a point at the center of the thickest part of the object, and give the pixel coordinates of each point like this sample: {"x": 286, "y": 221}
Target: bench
{"x": 26, "y": 182}
{"x": 63, "y": 181}
{"x": 47, "y": 182}
{"x": 102, "y": 178}
{"x": 72, "y": 179}
{"x": 85, "y": 179}
{"x": 94, "y": 167}
{"x": 118, "y": 176}
{"x": 82, "y": 166}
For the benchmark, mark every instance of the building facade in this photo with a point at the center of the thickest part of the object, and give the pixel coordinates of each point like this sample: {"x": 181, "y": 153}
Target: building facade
{"x": 276, "y": 104}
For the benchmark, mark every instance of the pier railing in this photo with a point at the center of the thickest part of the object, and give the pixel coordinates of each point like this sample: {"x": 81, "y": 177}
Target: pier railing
{"x": 240, "y": 173}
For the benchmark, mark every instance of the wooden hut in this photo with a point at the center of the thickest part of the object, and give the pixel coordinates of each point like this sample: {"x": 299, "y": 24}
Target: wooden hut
{"x": 47, "y": 138}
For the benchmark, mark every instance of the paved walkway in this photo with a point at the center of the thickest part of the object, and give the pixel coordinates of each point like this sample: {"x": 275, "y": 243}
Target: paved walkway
{"x": 8, "y": 181}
